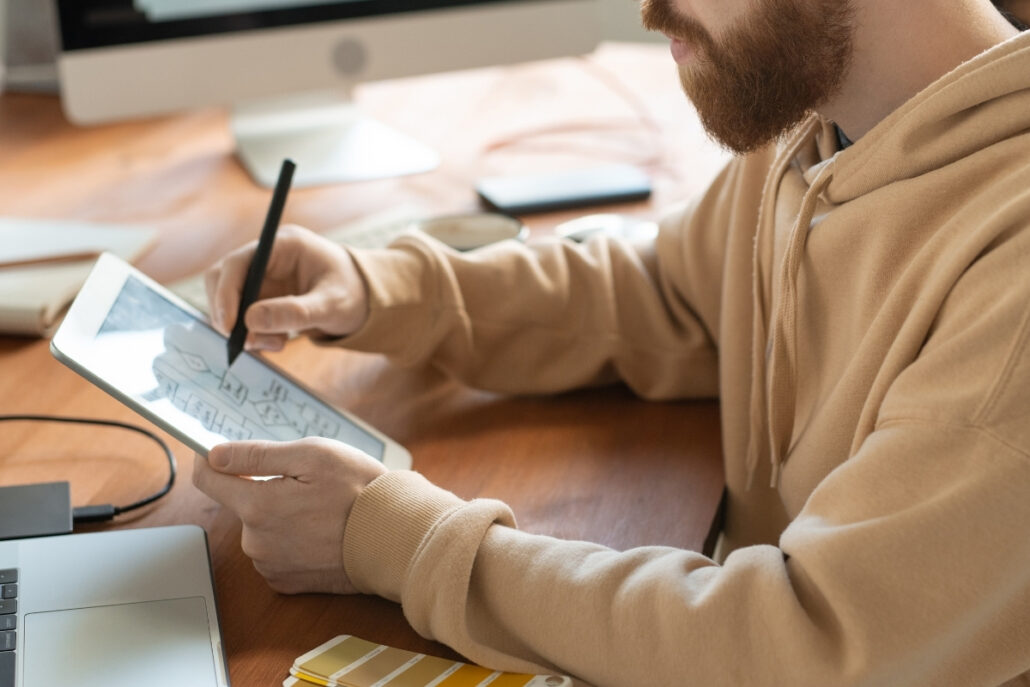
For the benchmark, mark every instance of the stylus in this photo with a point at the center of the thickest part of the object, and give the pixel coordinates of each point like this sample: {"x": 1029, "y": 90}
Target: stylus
{"x": 256, "y": 271}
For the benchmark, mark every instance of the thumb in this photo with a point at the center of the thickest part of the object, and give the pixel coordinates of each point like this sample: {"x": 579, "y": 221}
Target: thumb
{"x": 285, "y": 314}
{"x": 254, "y": 458}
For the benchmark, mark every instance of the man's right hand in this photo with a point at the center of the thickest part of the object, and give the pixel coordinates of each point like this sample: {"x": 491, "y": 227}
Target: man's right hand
{"x": 311, "y": 285}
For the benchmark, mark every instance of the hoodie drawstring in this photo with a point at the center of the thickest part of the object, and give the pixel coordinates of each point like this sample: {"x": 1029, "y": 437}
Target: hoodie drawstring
{"x": 782, "y": 379}
{"x": 772, "y": 399}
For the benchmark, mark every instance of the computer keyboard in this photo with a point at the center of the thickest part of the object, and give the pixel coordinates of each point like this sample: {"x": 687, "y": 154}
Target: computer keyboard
{"x": 8, "y": 624}
{"x": 378, "y": 231}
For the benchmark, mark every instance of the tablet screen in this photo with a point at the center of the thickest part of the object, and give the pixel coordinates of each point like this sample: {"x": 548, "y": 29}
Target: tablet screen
{"x": 176, "y": 365}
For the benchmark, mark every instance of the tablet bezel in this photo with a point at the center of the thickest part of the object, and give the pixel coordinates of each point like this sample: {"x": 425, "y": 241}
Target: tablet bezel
{"x": 87, "y": 314}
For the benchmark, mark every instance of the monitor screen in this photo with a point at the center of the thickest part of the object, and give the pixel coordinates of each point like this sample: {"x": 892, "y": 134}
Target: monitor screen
{"x": 119, "y": 22}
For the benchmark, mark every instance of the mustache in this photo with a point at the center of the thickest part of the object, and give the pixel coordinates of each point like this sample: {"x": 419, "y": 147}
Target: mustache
{"x": 662, "y": 17}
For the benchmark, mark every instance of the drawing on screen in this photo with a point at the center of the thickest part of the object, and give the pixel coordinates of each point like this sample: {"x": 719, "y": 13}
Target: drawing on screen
{"x": 166, "y": 355}
{"x": 193, "y": 375}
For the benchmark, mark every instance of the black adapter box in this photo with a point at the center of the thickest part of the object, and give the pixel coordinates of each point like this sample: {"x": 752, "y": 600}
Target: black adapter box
{"x": 35, "y": 510}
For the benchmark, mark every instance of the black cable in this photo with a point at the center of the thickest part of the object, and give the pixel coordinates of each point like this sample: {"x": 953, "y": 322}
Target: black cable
{"x": 103, "y": 512}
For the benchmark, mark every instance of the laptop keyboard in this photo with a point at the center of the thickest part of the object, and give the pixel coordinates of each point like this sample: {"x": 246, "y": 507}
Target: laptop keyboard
{"x": 8, "y": 624}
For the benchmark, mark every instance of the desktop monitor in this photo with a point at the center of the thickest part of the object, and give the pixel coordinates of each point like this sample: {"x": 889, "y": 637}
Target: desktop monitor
{"x": 287, "y": 67}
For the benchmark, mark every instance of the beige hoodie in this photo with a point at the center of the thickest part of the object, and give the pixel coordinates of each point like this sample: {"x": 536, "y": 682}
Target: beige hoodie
{"x": 864, "y": 317}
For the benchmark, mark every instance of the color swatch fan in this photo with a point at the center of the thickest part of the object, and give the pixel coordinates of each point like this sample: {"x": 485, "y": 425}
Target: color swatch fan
{"x": 347, "y": 661}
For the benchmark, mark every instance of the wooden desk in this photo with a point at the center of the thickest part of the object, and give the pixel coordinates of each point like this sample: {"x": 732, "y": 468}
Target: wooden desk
{"x": 596, "y": 465}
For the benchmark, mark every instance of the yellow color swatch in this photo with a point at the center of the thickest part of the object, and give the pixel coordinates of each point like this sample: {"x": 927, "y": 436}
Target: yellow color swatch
{"x": 376, "y": 668}
{"x": 422, "y": 673}
{"x": 466, "y": 676}
{"x": 336, "y": 657}
{"x": 511, "y": 680}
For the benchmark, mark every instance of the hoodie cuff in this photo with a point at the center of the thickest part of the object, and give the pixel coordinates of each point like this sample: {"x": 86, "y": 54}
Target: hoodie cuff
{"x": 388, "y": 524}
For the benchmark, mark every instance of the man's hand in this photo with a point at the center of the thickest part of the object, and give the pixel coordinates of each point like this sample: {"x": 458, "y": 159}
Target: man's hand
{"x": 293, "y": 525}
{"x": 311, "y": 284}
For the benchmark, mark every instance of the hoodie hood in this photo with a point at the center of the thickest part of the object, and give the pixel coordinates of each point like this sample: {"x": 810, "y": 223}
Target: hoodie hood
{"x": 981, "y": 104}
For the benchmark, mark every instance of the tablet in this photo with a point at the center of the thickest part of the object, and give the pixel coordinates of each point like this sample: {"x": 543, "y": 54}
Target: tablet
{"x": 152, "y": 351}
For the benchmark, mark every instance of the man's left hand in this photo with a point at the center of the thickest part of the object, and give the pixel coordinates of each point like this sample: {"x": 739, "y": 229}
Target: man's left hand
{"x": 293, "y": 525}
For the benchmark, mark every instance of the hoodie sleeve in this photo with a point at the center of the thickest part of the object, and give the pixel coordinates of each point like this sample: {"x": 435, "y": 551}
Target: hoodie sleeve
{"x": 554, "y": 315}
{"x": 538, "y": 318}
{"x": 910, "y": 565}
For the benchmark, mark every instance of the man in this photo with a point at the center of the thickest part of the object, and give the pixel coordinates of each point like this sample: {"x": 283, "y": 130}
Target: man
{"x": 855, "y": 287}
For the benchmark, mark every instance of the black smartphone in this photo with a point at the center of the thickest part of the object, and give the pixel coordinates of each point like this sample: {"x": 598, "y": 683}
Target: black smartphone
{"x": 545, "y": 192}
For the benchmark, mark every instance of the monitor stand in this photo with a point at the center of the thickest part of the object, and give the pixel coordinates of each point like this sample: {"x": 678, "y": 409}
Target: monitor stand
{"x": 327, "y": 137}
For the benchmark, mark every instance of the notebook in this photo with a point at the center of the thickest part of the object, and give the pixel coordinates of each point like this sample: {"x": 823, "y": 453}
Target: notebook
{"x": 44, "y": 262}
{"x": 110, "y": 609}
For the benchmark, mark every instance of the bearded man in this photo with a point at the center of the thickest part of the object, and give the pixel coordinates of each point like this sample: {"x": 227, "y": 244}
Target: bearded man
{"x": 854, "y": 287}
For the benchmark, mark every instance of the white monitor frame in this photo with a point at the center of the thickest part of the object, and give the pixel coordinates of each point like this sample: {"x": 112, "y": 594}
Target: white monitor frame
{"x": 256, "y": 69}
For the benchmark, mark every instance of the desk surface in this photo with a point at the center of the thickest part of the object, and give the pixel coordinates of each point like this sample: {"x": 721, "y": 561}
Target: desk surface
{"x": 598, "y": 465}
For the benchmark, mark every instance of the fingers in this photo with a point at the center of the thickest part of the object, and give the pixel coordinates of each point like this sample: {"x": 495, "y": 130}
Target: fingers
{"x": 311, "y": 310}
{"x": 265, "y": 342}
{"x": 301, "y": 286}
{"x": 258, "y": 459}
{"x": 229, "y": 490}
{"x": 220, "y": 474}
{"x": 224, "y": 283}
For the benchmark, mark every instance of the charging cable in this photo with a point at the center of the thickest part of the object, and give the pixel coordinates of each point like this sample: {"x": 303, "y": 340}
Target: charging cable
{"x": 107, "y": 511}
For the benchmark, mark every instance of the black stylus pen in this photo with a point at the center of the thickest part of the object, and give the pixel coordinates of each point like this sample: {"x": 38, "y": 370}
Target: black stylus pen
{"x": 256, "y": 271}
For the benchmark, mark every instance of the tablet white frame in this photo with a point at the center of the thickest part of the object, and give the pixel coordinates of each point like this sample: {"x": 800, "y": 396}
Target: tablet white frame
{"x": 88, "y": 313}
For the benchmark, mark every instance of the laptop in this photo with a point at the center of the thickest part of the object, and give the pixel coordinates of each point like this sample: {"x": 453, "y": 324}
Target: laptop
{"x": 110, "y": 609}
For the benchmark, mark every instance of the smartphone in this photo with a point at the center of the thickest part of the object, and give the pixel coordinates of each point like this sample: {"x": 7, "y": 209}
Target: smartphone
{"x": 546, "y": 192}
